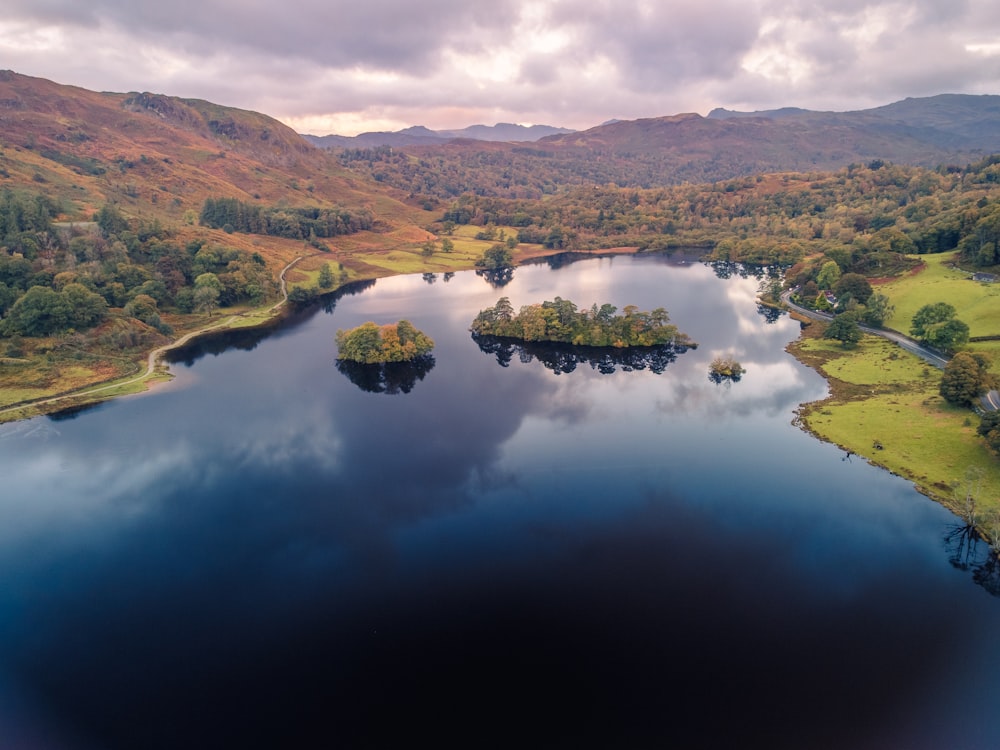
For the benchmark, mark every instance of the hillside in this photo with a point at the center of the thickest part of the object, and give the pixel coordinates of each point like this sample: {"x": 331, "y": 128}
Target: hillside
{"x": 689, "y": 148}
{"x": 939, "y": 125}
{"x": 159, "y": 156}
{"x": 130, "y": 219}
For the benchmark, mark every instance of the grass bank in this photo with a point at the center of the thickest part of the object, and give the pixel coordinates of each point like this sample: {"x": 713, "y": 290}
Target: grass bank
{"x": 884, "y": 406}
{"x": 53, "y": 374}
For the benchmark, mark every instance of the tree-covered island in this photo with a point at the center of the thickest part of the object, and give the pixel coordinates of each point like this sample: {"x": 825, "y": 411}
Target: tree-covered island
{"x": 560, "y": 321}
{"x": 371, "y": 344}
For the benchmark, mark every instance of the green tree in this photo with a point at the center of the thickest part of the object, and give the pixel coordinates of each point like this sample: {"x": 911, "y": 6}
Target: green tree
{"x": 877, "y": 310}
{"x": 447, "y": 246}
{"x": 41, "y": 311}
{"x": 854, "y": 284}
{"x": 207, "y": 291}
{"x": 936, "y": 325}
{"x": 966, "y": 377}
{"x": 844, "y": 328}
{"x": 87, "y": 308}
{"x": 928, "y": 316}
{"x": 989, "y": 428}
{"x": 495, "y": 258}
{"x": 143, "y": 307}
{"x": 325, "y": 276}
{"x": 828, "y": 275}
{"x": 110, "y": 221}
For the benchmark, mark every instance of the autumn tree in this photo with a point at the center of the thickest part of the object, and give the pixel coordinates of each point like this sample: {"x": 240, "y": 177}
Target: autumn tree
{"x": 966, "y": 377}
{"x": 371, "y": 344}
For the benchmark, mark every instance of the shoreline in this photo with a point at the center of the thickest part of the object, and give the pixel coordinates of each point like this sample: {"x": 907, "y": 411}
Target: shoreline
{"x": 850, "y": 410}
{"x": 156, "y": 371}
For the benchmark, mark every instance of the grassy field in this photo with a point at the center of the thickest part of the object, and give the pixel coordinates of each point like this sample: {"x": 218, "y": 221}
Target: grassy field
{"x": 978, "y": 304}
{"x": 883, "y": 396}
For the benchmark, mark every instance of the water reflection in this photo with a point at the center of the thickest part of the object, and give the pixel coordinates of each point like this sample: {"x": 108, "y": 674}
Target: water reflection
{"x": 968, "y": 551}
{"x": 564, "y": 358}
{"x": 269, "y": 556}
{"x": 496, "y": 277}
{"x": 247, "y": 339}
{"x": 390, "y": 378}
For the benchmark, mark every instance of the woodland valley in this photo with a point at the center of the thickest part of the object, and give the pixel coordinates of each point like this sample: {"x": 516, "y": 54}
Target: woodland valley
{"x": 130, "y": 220}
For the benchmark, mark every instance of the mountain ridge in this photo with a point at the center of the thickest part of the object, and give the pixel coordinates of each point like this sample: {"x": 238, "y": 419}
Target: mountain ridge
{"x": 506, "y": 132}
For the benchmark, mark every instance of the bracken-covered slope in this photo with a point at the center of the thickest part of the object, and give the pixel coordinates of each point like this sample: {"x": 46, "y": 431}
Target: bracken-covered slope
{"x": 161, "y": 156}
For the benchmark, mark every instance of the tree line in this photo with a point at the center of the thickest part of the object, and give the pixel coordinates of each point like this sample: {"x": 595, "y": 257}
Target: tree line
{"x": 54, "y": 280}
{"x": 561, "y": 321}
{"x": 235, "y": 215}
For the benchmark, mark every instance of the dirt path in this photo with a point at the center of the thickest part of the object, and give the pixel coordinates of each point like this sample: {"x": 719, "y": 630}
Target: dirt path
{"x": 154, "y": 356}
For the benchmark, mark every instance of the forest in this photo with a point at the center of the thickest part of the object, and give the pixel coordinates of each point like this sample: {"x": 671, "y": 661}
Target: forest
{"x": 57, "y": 278}
{"x": 232, "y": 215}
{"x": 866, "y": 218}
{"x": 560, "y": 320}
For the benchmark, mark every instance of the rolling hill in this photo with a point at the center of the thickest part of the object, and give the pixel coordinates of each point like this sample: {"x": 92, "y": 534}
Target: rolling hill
{"x": 162, "y": 156}
{"x": 689, "y": 148}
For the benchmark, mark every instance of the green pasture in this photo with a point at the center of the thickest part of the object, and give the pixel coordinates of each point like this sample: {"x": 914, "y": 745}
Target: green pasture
{"x": 977, "y": 303}
{"x": 884, "y": 396}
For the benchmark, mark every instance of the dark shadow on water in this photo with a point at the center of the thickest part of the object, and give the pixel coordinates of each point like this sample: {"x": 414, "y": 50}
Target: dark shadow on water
{"x": 247, "y": 339}
{"x": 770, "y": 314}
{"x": 968, "y": 551}
{"x": 391, "y": 378}
{"x": 564, "y": 358}
{"x": 72, "y": 412}
{"x": 496, "y": 277}
{"x": 719, "y": 378}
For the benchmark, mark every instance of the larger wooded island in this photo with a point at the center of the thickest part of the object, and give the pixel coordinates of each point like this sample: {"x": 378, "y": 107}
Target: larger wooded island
{"x": 560, "y": 321}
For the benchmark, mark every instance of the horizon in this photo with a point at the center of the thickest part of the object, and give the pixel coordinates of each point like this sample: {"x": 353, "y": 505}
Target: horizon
{"x": 345, "y": 69}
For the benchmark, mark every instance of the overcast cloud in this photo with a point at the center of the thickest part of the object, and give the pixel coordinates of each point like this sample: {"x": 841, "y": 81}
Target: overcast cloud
{"x": 327, "y": 66}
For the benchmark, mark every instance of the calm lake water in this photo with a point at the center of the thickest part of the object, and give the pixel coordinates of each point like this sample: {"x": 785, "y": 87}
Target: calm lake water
{"x": 265, "y": 554}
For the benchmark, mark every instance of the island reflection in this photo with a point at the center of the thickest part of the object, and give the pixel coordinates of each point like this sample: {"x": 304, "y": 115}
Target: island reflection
{"x": 391, "y": 378}
{"x": 564, "y": 358}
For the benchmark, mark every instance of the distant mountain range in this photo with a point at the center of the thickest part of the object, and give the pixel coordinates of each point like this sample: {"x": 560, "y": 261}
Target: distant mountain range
{"x": 948, "y": 121}
{"x": 418, "y": 135}
{"x": 162, "y": 156}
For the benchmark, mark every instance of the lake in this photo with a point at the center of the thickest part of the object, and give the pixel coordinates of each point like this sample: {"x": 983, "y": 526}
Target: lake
{"x": 492, "y": 551}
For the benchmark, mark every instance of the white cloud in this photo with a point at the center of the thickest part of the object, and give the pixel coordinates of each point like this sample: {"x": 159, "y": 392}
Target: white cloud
{"x": 385, "y": 64}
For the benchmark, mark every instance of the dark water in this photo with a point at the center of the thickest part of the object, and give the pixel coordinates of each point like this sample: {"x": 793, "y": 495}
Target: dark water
{"x": 265, "y": 554}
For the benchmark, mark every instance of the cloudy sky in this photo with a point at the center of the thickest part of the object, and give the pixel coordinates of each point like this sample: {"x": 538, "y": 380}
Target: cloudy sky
{"x": 345, "y": 66}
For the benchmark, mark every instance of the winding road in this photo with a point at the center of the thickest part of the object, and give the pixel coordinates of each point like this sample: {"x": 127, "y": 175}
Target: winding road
{"x": 990, "y": 401}
{"x": 154, "y": 356}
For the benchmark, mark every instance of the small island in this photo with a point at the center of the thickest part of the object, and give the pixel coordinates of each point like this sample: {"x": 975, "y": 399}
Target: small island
{"x": 725, "y": 368}
{"x": 560, "y": 321}
{"x": 371, "y": 344}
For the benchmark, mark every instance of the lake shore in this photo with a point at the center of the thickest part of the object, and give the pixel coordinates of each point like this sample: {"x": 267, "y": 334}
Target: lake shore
{"x": 884, "y": 407}
{"x": 879, "y": 395}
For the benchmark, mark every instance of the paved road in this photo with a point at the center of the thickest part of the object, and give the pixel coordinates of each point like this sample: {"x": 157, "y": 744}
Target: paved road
{"x": 990, "y": 402}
